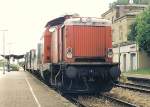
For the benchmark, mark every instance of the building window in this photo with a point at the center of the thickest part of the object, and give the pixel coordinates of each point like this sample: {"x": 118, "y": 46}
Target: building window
{"x": 120, "y": 34}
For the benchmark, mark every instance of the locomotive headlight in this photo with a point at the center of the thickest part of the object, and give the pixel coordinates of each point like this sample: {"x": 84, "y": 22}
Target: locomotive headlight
{"x": 110, "y": 53}
{"x": 69, "y": 52}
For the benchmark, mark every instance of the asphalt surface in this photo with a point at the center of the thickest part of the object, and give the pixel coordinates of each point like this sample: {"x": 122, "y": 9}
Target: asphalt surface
{"x": 21, "y": 89}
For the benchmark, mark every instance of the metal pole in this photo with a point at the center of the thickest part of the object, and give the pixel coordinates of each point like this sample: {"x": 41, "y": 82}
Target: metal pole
{"x": 119, "y": 45}
{"x": 4, "y": 52}
{"x": 4, "y": 49}
{"x": 119, "y": 55}
{"x": 137, "y": 51}
{"x": 9, "y": 56}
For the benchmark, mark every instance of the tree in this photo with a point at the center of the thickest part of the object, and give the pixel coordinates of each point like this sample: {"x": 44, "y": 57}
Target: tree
{"x": 143, "y": 30}
{"x": 119, "y": 2}
{"x": 133, "y": 32}
{"x": 136, "y": 1}
{"x": 144, "y": 1}
{"x": 141, "y": 1}
{"x": 140, "y": 30}
{"x": 125, "y": 2}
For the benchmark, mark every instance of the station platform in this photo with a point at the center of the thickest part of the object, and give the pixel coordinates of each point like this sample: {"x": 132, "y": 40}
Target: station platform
{"x": 138, "y": 75}
{"x": 21, "y": 89}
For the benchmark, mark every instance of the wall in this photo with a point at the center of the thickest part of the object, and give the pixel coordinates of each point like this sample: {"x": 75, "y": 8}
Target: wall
{"x": 127, "y": 51}
{"x": 110, "y": 14}
{"x": 144, "y": 60}
{"x": 119, "y": 31}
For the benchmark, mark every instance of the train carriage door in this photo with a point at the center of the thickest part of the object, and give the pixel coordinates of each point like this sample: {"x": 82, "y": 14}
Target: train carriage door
{"x": 54, "y": 45}
{"x": 61, "y": 43}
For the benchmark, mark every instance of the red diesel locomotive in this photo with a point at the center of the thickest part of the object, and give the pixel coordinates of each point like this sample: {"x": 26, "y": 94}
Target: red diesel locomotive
{"x": 75, "y": 55}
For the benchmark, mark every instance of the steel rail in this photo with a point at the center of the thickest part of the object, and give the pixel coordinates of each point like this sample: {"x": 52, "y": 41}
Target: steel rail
{"x": 75, "y": 101}
{"x": 119, "y": 101}
{"x": 139, "y": 79}
{"x": 137, "y": 85}
{"x": 133, "y": 88}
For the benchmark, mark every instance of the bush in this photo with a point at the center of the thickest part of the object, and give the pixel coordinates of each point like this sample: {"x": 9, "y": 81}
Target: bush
{"x": 14, "y": 67}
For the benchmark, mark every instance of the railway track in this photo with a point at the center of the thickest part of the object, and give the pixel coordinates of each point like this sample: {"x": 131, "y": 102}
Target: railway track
{"x": 118, "y": 101}
{"x": 139, "y": 80}
{"x": 75, "y": 101}
{"x": 135, "y": 87}
{"x": 138, "y": 85}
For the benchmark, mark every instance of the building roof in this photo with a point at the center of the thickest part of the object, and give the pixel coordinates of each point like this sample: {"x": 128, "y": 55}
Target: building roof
{"x": 124, "y": 16}
{"x": 132, "y": 5}
{"x": 108, "y": 11}
{"x": 124, "y": 44}
{"x": 129, "y": 5}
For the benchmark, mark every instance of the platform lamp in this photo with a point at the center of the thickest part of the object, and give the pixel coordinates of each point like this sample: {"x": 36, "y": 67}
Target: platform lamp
{"x": 4, "y": 30}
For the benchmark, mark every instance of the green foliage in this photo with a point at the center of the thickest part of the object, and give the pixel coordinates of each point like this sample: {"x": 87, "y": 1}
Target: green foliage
{"x": 119, "y": 2}
{"x": 125, "y": 2}
{"x": 140, "y": 31}
{"x": 21, "y": 63}
{"x": 145, "y": 71}
{"x": 136, "y": 1}
{"x": 141, "y": 1}
{"x": 133, "y": 32}
{"x": 143, "y": 30}
{"x": 14, "y": 67}
{"x": 1, "y": 62}
{"x": 144, "y": 1}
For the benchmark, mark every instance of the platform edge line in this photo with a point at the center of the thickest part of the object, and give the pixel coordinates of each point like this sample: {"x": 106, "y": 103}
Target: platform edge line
{"x": 33, "y": 94}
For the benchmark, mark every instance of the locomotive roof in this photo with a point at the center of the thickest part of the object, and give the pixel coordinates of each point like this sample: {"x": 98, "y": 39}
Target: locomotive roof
{"x": 57, "y": 21}
{"x": 87, "y": 21}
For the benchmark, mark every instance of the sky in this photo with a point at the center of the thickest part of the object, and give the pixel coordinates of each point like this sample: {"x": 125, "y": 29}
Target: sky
{"x": 25, "y": 19}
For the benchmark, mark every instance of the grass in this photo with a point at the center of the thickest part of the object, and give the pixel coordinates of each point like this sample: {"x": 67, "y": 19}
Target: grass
{"x": 144, "y": 71}
{"x": 123, "y": 78}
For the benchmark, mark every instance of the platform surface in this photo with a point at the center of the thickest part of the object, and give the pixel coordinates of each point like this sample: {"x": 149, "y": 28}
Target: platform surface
{"x": 21, "y": 89}
{"x": 138, "y": 75}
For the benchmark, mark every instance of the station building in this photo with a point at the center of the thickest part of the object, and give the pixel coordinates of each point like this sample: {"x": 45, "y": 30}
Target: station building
{"x": 122, "y": 16}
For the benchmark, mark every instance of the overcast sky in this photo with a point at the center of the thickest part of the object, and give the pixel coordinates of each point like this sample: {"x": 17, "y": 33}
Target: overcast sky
{"x": 25, "y": 19}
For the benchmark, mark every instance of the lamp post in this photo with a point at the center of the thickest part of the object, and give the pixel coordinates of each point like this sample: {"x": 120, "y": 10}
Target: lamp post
{"x": 5, "y": 30}
{"x": 120, "y": 42}
{"x": 8, "y": 61}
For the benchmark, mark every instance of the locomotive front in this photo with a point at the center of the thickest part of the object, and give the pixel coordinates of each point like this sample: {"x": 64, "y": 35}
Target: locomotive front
{"x": 76, "y": 55}
{"x": 86, "y": 60}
